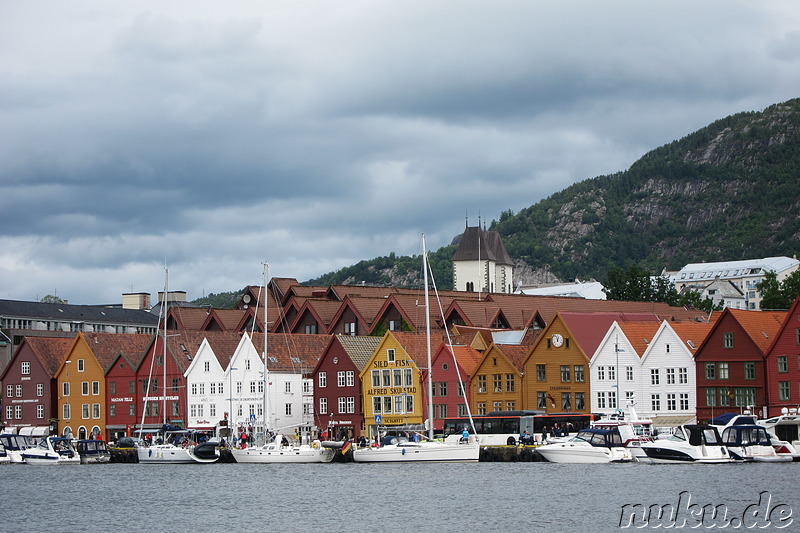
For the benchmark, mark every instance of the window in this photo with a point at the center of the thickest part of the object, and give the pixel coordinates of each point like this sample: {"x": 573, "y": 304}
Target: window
{"x": 95, "y": 388}
{"x": 612, "y": 400}
{"x": 159, "y": 360}
{"x": 510, "y": 383}
{"x": 247, "y": 364}
{"x": 482, "y": 383}
{"x": 252, "y": 387}
{"x": 442, "y": 389}
{"x": 288, "y": 409}
{"x": 221, "y": 387}
{"x": 566, "y": 374}
{"x": 612, "y": 373}
{"x": 351, "y": 404}
{"x": 95, "y": 410}
{"x": 711, "y": 397}
{"x": 112, "y": 387}
{"x": 566, "y": 401}
{"x": 387, "y": 404}
{"x": 288, "y": 388}
{"x": 81, "y": 365}
{"x": 670, "y": 376}
{"x": 194, "y": 389}
{"x": 85, "y": 411}
{"x": 745, "y": 396}
{"x": 783, "y": 390}
{"x": 409, "y": 377}
{"x": 342, "y": 404}
{"x": 711, "y": 371}
{"x": 497, "y": 380}
{"x": 441, "y": 410}
{"x": 541, "y": 373}
{"x": 322, "y": 379}
{"x": 131, "y": 386}
{"x": 350, "y": 378}
{"x": 655, "y": 402}
{"x": 541, "y": 400}
{"x": 25, "y": 368}
{"x": 19, "y": 391}
{"x": 601, "y": 373}
{"x": 722, "y": 370}
{"x": 311, "y": 329}
{"x": 323, "y": 406}
{"x": 481, "y": 408}
{"x": 684, "y": 399}
{"x": 390, "y": 355}
{"x": 601, "y": 400}
{"x": 349, "y": 328}
{"x": 40, "y": 411}
{"x": 207, "y": 366}
{"x": 40, "y": 389}
{"x": 683, "y": 376}
{"x": 213, "y": 387}
{"x": 655, "y": 377}
{"x": 580, "y": 401}
{"x": 85, "y": 388}
{"x": 131, "y": 409}
{"x": 783, "y": 364}
{"x": 176, "y": 411}
{"x": 749, "y": 371}
{"x": 397, "y": 377}
{"x": 18, "y": 411}
{"x": 238, "y": 387}
{"x": 628, "y": 373}
{"x": 724, "y": 396}
{"x": 386, "y": 378}
{"x": 10, "y": 390}
{"x": 727, "y": 340}
{"x": 578, "y": 369}
{"x": 340, "y": 379}
{"x": 671, "y": 402}
{"x": 154, "y": 385}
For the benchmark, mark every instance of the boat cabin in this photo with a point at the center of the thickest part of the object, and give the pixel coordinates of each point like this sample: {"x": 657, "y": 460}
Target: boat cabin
{"x": 601, "y": 437}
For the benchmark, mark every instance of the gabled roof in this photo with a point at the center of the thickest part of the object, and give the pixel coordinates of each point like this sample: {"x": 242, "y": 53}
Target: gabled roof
{"x": 761, "y": 326}
{"x": 415, "y": 345}
{"x": 206, "y": 318}
{"x": 49, "y": 351}
{"x": 365, "y": 310}
{"x": 588, "y": 329}
{"x": 515, "y": 353}
{"x": 292, "y": 353}
{"x": 323, "y": 312}
{"x": 359, "y": 348}
{"x": 106, "y": 346}
{"x": 466, "y": 356}
{"x": 639, "y": 334}
{"x": 691, "y": 335}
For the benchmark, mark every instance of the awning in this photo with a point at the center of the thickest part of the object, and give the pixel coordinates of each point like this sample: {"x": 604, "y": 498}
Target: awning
{"x": 203, "y": 428}
{"x": 672, "y": 421}
{"x": 35, "y": 431}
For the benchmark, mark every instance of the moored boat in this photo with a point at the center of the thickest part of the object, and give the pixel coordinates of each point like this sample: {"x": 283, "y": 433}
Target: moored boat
{"x": 749, "y": 442}
{"x": 690, "y": 443}
{"x": 280, "y": 450}
{"x": 784, "y": 432}
{"x": 93, "y": 451}
{"x": 52, "y": 451}
{"x": 400, "y": 449}
{"x": 590, "y": 445}
{"x": 15, "y": 445}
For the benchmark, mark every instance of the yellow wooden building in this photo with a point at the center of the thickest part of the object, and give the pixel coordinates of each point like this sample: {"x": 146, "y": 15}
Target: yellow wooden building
{"x": 391, "y": 383}
{"x": 496, "y": 382}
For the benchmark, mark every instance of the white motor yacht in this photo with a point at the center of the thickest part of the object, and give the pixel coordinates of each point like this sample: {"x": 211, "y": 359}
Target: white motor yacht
{"x": 52, "y": 451}
{"x": 690, "y": 443}
{"x": 280, "y": 450}
{"x": 590, "y": 445}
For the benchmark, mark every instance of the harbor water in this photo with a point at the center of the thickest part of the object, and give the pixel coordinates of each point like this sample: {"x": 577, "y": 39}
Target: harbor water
{"x": 486, "y": 497}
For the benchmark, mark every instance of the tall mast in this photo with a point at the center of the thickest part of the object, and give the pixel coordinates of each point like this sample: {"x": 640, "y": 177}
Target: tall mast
{"x": 428, "y": 337}
{"x": 164, "y": 357}
{"x": 266, "y": 327}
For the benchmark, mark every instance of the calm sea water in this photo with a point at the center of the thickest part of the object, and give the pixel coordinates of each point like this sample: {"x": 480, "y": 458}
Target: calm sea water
{"x": 486, "y": 497}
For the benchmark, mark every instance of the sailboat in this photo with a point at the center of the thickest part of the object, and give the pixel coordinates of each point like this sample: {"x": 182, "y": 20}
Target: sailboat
{"x": 175, "y": 444}
{"x": 398, "y": 449}
{"x": 279, "y": 450}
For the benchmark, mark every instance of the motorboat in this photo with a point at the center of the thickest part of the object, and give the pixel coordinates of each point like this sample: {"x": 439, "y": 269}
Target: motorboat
{"x": 280, "y": 450}
{"x": 784, "y": 432}
{"x": 689, "y": 443}
{"x": 52, "y": 451}
{"x": 590, "y": 445}
{"x": 401, "y": 449}
{"x": 14, "y": 446}
{"x": 632, "y": 429}
{"x": 4, "y": 458}
{"x": 750, "y": 442}
{"x": 92, "y": 451}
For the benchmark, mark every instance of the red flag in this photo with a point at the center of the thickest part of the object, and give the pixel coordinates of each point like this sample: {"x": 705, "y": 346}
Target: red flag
{"x": 346, "y": 447}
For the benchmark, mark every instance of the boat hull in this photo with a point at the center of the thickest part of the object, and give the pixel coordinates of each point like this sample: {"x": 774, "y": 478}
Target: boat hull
{"x": 666, "y": 454}
{"x": 169, "y": 454}
{"x": 569, "y": 452}
{"x": 422, "y": 451}
{"x": 302, "y": 454}
{"x": 34, "y": 457}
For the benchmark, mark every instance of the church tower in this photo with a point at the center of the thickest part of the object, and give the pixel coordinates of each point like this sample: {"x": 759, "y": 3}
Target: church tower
{"x": 481, "y": 263}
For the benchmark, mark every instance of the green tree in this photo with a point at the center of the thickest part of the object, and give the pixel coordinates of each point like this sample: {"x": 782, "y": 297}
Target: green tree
{"x": 637, "y": 285}
{"x": 51, "y": 299}
{"x": 779, "y": 294}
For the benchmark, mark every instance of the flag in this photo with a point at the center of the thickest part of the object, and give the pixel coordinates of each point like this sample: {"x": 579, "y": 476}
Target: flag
{"x": 346, "y": 447}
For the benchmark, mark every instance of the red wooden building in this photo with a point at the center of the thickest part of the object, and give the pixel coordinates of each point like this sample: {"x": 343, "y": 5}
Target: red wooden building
{"x": 783, "y": 365}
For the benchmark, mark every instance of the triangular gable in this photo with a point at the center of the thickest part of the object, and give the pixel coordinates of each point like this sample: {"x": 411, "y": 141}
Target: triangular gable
{"x": 50, "y": 352}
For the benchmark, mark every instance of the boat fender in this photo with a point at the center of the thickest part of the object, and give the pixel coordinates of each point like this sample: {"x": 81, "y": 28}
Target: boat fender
{"x": 315, "y": 445}
{"x": 403, "y": 452}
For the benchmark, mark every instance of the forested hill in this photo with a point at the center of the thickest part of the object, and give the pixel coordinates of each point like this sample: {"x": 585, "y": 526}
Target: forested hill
{"x": 728, "y": 191}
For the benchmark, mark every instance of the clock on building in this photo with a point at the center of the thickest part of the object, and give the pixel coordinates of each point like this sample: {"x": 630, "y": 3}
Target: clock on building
{"x": 558, "y": 340}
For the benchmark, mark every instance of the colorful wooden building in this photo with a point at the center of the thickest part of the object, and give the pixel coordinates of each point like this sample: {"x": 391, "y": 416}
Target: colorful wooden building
{"x": 783, "y": 365}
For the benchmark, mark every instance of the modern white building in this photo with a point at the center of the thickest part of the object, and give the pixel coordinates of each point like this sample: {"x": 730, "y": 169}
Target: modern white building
{"x": 744, "y": 274}
{"x": 588, "y": 290}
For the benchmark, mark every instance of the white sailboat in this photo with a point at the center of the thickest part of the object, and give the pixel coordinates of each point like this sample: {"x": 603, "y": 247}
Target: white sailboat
{"x": 170, "y": 450}
{"x": 403, "y": 450}
{"x": 279, "y": 450}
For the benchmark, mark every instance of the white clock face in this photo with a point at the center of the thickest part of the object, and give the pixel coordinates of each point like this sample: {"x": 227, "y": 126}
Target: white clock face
{"x": 558, "y": 340}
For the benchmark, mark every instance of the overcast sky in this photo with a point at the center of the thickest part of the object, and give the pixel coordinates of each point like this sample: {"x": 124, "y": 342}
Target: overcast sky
{"x": 212, "y": 136}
